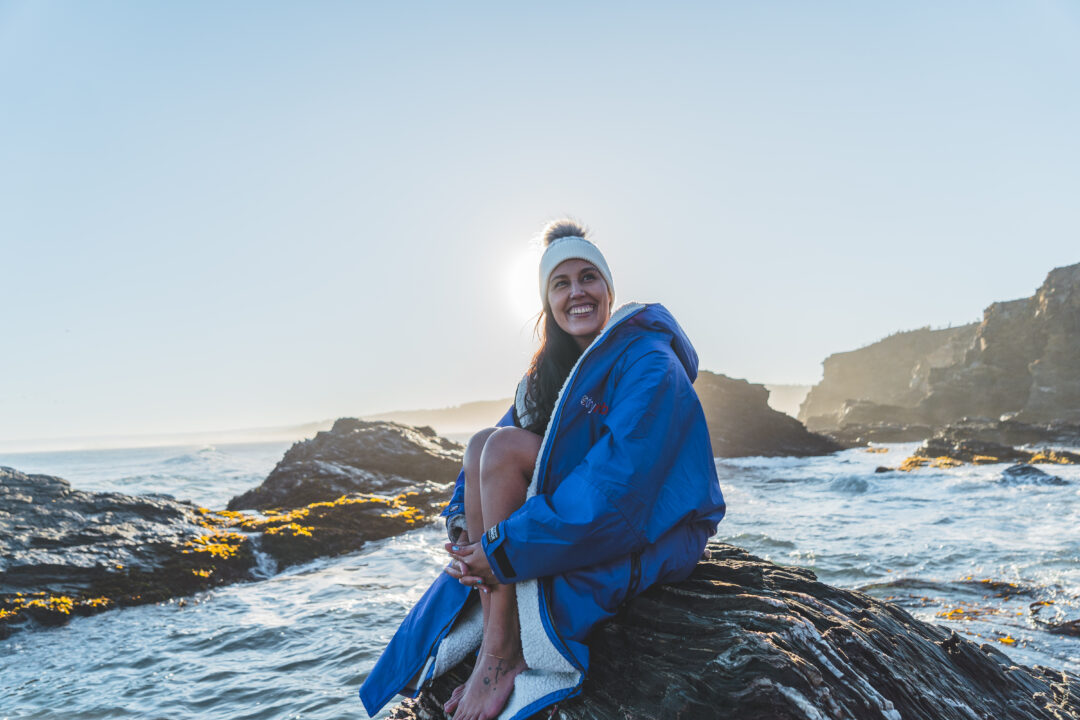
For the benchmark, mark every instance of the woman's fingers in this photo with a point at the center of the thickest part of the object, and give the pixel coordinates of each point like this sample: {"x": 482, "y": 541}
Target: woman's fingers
{"x": 472, "y": 581}
{"x": 457, "y": 568}
{"x": 473, "y": 564}
{"x": 459, "y": 548}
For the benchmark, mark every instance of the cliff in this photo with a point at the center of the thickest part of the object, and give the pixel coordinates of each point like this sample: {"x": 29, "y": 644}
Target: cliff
{"x": 1024, "y": 361}
{"x": 892, "y": 373}
{"x": 1019, "y": 362}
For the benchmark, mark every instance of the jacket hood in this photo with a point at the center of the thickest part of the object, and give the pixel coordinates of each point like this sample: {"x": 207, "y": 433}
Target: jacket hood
{"x": 656, "y": 318}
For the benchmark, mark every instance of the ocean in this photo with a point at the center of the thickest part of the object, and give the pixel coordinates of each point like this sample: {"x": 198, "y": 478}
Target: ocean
{"x": 997, "y": 560}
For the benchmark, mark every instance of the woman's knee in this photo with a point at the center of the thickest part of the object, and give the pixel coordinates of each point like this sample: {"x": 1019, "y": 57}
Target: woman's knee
{"x": 474, "y": 451}
{"x": 509, "y": 448}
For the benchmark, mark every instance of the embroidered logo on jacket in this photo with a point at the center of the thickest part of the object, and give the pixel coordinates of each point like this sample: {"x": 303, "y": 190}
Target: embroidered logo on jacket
{"x": 592, "y": 406}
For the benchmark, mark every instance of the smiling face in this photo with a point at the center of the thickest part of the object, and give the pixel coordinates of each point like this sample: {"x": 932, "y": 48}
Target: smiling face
{"x": 579, "y": 299}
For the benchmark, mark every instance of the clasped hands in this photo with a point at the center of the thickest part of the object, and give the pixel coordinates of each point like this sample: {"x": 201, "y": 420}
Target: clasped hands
{"x": 469, "y": 564}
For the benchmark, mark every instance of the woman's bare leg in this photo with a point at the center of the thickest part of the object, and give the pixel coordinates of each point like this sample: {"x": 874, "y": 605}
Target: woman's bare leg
{"x": 506, "y": 467}
{"x": 474, "y": 520}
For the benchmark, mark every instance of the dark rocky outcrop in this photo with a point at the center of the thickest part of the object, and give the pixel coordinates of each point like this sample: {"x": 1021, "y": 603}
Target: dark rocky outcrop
{"x": 745, "y": 638}
{"x": 947, "y": 451}
{"x": 1029, "y": 475}
{"x": 741, "y": 422}
{"x": 355, "y": 456}
{"x": 1019, "y": 363}
{"x": 981, "y": 452}
{"x": 64, "y": 539}
{"x": 65, "y": 552}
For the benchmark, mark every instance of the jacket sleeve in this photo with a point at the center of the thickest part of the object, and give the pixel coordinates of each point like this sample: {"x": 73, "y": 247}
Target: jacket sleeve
{"x": 454, "y": 512}
{"x": 601, "y": 509}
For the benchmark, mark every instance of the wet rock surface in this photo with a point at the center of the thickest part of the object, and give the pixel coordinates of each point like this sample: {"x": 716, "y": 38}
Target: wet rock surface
{"x": 356, "y": 456}
{"x": 65, "y": 552}
{"x": 741, "y": 423}
{"x": 1029, "y": 475}
{"x": 981, "y": 452}
{"x": 745, "y": 638}
{"x": 52, "y": 535}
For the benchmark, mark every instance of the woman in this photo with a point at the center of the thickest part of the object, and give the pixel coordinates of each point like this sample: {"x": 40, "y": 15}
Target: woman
{"x": 557, "y": 531}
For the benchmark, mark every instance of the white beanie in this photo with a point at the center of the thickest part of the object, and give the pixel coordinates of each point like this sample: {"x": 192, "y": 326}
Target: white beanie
{"x": 572, "y": 247}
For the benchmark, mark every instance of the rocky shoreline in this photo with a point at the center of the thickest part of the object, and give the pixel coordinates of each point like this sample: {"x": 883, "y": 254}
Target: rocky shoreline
{"x": 757, "y": 639}
{"x": 67, "y": 553}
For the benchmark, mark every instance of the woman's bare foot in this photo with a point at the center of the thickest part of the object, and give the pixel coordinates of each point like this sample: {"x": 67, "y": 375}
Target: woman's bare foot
{"x": 455, "y": 698}
{"x": 489, "y": 686}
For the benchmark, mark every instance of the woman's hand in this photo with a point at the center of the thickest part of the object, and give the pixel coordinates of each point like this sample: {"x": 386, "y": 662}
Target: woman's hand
{"x": 469, "y": 564}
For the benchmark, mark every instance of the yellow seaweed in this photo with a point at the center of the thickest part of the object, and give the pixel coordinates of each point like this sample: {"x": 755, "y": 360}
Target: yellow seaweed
{"x": 912, "y": 463}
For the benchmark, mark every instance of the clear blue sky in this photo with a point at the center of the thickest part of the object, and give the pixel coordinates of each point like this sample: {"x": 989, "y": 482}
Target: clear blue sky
{"x": 220, "y": 215}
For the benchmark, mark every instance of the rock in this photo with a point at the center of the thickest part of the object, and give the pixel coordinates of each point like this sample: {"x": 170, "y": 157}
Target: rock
{"x": 1013, "y": 432}
{"x": 882, "y": 432}
{"x": 980, "y": 452}
{"x": 1019, "y": 363}
{"x": 881, "y": 378}
{"x": 333, "y": 527}
{"x": 1029, "y": 475}
{"x": 741, "y": 423}
{"x": 65, "y": 552}
{"x": 971, "y": 451}
{"x": 997, "y": 432}
{"x": 63, "y": 539}
{"x": 745, "y": 638}
{"x": 356, "y": 456}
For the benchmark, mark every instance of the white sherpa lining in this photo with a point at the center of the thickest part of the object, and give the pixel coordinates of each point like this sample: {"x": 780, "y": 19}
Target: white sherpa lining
{"x": 548, "y": 671}
{"x": 521, "y": 403}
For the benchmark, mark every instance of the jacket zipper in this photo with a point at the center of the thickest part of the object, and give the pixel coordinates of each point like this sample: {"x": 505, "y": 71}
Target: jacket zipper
{"x": 545, "y": 608}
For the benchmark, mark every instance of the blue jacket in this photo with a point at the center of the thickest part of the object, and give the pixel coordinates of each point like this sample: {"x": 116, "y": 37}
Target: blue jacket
{"x": 624, "y": 495}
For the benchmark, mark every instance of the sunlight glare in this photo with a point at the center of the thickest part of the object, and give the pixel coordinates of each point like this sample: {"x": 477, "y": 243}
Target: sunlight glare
{"x": 521, "y": 285}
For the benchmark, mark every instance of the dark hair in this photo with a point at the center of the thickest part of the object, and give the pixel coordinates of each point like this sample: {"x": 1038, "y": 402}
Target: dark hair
{"x": 558, "y": 350}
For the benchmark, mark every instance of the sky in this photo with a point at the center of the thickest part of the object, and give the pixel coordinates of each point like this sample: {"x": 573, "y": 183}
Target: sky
{"x": 248, "y": 214}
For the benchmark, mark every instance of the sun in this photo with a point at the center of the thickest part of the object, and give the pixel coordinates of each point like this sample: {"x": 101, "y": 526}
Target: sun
{"x": 522, "y": 294}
